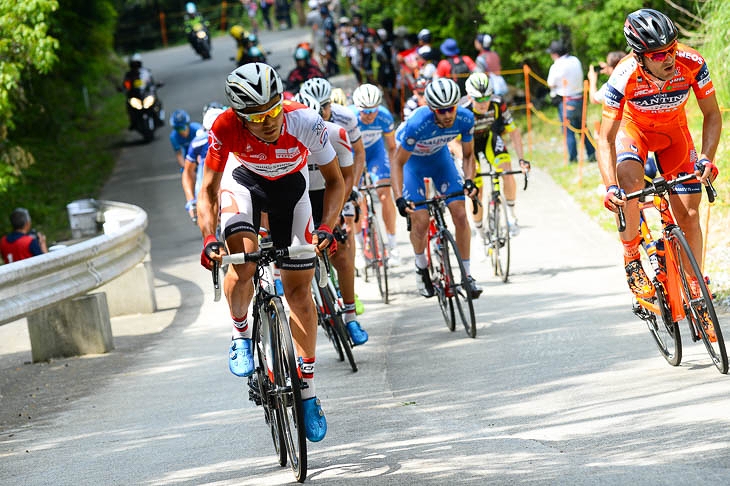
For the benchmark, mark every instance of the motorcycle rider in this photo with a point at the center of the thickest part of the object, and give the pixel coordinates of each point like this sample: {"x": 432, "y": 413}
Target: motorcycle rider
{"x": 193, "y": 21}
{"x": 137, "y": 81}
{"x": 303, "y": 71}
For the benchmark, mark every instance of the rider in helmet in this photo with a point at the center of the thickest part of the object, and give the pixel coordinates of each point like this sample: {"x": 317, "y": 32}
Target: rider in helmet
{"x": 192, "y": 21}
{"x": 492, "y": 120}
{"x": 422, "y": 152}
{"x": 251, "y": 165}
{"x": 183, "y": 132}
{"x": 303, "y": 71}
{"x": 138, "y": 81}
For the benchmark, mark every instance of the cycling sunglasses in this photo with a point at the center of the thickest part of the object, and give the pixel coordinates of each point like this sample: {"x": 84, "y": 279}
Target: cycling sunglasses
{"x": 444, "y": 111}
{"x": 369, "y": 111}
{"x": 482, "y": 99}
{"x": 260, "y": 117}
{"x": 659, "y": 56}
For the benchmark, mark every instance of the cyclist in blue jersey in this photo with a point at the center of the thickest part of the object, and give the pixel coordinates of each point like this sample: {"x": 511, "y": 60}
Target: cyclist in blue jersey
{"x": 183, "y": 132}
{"x": 192, "y": 176}
{"x": 378, "y": 138}
{"x": 422, "y": 152}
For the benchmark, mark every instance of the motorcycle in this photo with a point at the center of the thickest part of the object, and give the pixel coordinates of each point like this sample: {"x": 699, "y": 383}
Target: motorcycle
{"x": 145, "y": 109}
{"x": 200, "y": 40}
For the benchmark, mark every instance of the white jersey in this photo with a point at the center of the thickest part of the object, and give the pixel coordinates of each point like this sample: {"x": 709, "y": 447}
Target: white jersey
{"x": 347, "y": 119}
{"x": 341, "y": 143}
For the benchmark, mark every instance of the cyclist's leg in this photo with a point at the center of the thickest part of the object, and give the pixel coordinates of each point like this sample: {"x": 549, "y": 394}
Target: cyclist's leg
{"x": 447, "y": 179}
{"x": 379, "y": 169}
{"x": 414, "y": 190}
{"x": 630, "y": 172}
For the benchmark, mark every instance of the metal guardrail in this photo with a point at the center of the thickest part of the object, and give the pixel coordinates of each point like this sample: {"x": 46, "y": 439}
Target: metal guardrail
{"x": 37, "y": 283}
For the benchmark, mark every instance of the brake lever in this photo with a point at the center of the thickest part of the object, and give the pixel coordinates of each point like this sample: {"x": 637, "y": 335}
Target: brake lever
{"x": 216, "y": 281}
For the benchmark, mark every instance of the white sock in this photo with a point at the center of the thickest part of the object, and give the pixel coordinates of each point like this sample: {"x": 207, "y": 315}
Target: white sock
{"x": 392, "y": 243}
{"x": 307, "y": 367}
{"x": 511, "y": 211}
{"x": 467, "y": 266}
{"x": 241, "y": 329}
{"x": 421, "y": 260}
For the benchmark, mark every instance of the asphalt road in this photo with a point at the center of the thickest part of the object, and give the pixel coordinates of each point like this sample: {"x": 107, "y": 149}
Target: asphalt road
{"x": 561, "y": 386}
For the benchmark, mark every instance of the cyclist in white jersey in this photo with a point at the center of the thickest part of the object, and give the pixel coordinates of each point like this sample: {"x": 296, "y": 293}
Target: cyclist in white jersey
{"x": 257, "y": 158}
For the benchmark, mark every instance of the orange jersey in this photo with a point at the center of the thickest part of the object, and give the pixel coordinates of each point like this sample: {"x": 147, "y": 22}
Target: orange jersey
{"x": 633, "y": 96}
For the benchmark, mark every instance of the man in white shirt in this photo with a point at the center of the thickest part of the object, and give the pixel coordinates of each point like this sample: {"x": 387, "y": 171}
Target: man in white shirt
{"x": 565, "y": 80}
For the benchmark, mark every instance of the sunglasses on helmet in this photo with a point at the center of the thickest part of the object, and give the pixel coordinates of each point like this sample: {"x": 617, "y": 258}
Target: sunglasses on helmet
{"x": 659, "y": 56}
{"x": 261, "y": 116}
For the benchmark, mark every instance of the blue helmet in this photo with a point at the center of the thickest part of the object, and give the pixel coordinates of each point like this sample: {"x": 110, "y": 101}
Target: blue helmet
{"x": 179, "y": 119}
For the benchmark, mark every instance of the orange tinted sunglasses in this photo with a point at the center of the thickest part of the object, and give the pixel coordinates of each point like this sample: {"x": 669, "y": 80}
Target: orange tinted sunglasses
{"x": 260, "y": 117}
{"x": 659, "y": 56}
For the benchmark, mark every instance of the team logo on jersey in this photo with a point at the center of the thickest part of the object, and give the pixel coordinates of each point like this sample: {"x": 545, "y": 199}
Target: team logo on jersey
{"x": 213, "y": 141}
{"x": 410, "y": 141}
{"x": 289, "y": 153}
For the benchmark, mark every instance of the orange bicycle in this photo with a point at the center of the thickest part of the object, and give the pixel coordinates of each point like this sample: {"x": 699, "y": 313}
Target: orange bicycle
{"x": 680, "y": 288}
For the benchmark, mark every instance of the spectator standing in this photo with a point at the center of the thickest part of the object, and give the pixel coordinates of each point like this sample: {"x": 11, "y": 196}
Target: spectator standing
{"x": 283, "y": 14}
{"x": 455, "y": 66}
{"x": 251, "y": 7}
{"x": 595, "y": 94}
{"x": 488, "y": 61}
{"x": 565, "y": 80}
{"x": 328, "y": 55}
{"x": 22, "y": 242}
{"x": 266, "y": 12}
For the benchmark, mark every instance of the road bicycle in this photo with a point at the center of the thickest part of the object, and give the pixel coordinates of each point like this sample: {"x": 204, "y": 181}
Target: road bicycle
{"x": 276, "y": 383}
{"x": 446, "y": 267}
{"x": 497, "y": 237}
{"x": 330, "y": 312}
{"x": 680, "y": 290}
{"x": 373, "y": 248}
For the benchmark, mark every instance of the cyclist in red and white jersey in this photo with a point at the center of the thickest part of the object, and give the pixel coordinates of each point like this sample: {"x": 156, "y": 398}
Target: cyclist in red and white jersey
{"x": 643, "y": 112}
{"x": 257, "y": 159}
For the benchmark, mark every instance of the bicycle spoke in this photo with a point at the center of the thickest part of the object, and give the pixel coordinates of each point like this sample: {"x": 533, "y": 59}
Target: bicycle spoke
{"x": 440, "y": 278}
{"x": 458, "y": 284}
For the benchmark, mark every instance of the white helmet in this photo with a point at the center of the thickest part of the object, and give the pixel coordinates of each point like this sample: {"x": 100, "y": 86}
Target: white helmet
{"x": 442, "y": 93}
{"x": 318, "y": 88}
{"x": 253, "y": 84}
{"x": 307, "y": 100}
{"x": 478, "y": 85}
{"x": 367, "y": 96}
{"x": 210, "y": 117}
{"x": 190, "y": 8}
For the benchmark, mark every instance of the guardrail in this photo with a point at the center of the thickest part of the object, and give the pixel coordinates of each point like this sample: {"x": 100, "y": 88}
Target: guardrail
{"x": 40, "y": 282}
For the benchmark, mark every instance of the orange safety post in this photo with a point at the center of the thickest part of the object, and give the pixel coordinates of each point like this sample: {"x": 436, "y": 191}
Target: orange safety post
{"x": 163, "y": 29}
{"x": 564, "y": 108}
{"x": 224, "y": 5}
{"x": 583, "y": 128}
{"x": 528, "y": 108}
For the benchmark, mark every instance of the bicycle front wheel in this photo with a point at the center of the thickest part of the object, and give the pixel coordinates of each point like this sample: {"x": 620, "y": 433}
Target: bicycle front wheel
{"x": 288, "y": 391}
{"x": 438, "y": 270}
{"x": 335, "y": 322}
{"x": 379, "y": 261}
{"x": 266, "y": 395}
{"x": 698, "y": 304}
{"x": 458, "y": 283}
{"x": 499, "y": 238}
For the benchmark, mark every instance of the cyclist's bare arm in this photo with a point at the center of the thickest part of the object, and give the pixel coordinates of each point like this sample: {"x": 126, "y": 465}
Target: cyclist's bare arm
{"x": 188, "y": 180}
{"x": 516, "y": 139}
{"x": 396, "y": 171}
{"x": 467, "y": 151}
{"x": 358, "y": 166}
{"x": 607, "y": 147}
{"x": 349, "y": 179}
{"x": 454, "y": 147}
{"x": 711, "y": 129}
{"x": 208, "y": 203}
{"x": 390, "y": 146}
{"x": 334, "y": 192}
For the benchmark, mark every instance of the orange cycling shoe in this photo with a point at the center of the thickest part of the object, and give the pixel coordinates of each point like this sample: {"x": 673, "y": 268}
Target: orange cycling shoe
{"x": 638, "y": 281}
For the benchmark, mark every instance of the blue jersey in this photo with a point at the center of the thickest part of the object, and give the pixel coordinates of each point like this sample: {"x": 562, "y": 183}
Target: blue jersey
{"x": 372, "y": 134}
{"x": 182, "y": 143}
{"x": 420, "y": 134}
{"x": 198, "y": 147}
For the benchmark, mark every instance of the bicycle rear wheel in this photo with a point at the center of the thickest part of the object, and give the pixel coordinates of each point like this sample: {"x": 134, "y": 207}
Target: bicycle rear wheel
{"x": 323, "y": 321}
{"x": 699, "y": 308}
{"x": 379, "y": 262}
{"x": 335, "y": 322}
{"x": 458, "y": 283}
{"x": 665, "y": 333}
{"x": 288, "y": 391}
{"x": 499, "y": 239}
{"x": 437, "y": 269}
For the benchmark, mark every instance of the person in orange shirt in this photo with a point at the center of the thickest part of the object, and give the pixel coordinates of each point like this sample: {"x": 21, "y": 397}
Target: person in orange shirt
{"x": 643, "y": 112}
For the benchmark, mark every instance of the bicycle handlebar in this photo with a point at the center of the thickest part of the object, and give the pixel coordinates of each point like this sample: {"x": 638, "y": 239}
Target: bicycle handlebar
{"x": 661, "y": 186}
{"x": 373, "y": 186}
{"x": 504, "y": 172}
{"x": 441, "y": 197}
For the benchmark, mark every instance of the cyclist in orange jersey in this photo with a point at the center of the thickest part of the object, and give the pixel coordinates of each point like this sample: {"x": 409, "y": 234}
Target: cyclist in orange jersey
{"x": 643, "y": 112}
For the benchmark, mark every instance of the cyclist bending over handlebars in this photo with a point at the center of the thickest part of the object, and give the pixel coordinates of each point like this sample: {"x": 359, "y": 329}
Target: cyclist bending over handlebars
{"x": 422, "y": 152}
{"x": 644, "y": 112}
{"x": 269, "y": 144}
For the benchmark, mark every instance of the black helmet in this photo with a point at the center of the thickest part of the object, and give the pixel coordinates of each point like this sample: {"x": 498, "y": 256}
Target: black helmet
{"x": 648, "y": 30}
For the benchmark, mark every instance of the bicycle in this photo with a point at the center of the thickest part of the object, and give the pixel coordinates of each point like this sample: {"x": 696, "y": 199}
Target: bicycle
{"x": 497, "y": 238}
{"x": 675, "y": 269}
{"x": 444, "y": 262}
{"x": 373, "y": 247}
{"x": 276, "y": 382}
{"x": 330, "y": 310}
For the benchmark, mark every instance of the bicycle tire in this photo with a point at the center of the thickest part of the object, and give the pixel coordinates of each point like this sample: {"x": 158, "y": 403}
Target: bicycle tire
{"x": 462, "y": 294}
{"x": 289, "y": 391}
{"x": 337, "y": 324}
{"x": 498, "y": 238}
{"x": 325, "y": 323}
{"x": 379, "y": 261}
{"x": 436, "y": 270}
{"x": 272, "y": 415}
{"x": 700, "y": 311}
{"x": 666, "y": 334}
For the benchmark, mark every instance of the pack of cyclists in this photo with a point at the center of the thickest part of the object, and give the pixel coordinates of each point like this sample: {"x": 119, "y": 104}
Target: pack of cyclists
{"x": 300, "y": 161}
